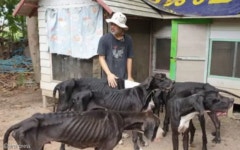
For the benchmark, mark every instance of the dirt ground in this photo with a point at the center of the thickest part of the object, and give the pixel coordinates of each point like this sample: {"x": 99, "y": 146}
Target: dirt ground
{"x": 20, "y": 103}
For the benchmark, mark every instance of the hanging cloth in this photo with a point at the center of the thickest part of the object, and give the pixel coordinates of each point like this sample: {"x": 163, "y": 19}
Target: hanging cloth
{"x": 74, "y": 31}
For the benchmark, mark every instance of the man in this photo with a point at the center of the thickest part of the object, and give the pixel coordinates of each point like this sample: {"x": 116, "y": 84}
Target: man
{"x": 115, "y": 51}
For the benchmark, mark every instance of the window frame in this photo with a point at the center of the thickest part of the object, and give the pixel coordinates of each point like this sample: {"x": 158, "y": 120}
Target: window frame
{"x": 222, "y": 81}
{"x": 210, "y": 55}
{"x": 156, "y": 70}
{"x": 66, "y": 67}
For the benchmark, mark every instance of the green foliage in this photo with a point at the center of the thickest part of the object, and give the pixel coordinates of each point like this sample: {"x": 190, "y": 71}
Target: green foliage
{"x": 21, "y": 79}
{"x": 13, "y": 28}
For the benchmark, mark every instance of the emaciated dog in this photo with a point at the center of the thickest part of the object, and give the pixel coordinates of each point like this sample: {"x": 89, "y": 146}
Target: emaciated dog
{"x": 101, "y": 129}
{"x": 134, "y": 99}
{"x": 67, "y": 88}
{"x": 187, "y": 88}
{"x": 183, "y": 109}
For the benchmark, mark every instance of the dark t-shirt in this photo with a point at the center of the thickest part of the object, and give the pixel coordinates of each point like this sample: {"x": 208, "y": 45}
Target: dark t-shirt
{"x": 116, "y": 53}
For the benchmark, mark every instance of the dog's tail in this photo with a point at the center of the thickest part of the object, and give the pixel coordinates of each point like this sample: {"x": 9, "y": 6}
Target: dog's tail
{"x": 227, "y": 92}
{"x": 56, "y": 88}
{"x": 6, "y": 135}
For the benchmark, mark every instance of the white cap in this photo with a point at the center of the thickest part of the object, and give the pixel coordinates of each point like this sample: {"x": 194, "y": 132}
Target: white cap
{"x": 119, "y": 19}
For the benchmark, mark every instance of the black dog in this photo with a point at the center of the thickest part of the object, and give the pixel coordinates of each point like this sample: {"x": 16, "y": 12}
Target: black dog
{"x": 186, "y": 107}
{"x": 161, "y": 98}
{"x": 101, "y": 129}
{"x": 134, "y": 99}
{"x": 67, "y": 88}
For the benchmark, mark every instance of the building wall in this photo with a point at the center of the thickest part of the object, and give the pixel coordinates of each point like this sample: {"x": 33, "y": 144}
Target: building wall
{"x": 191, "y": 52}
{"x": 140, "y": 35}
{"x": 225, "y": 29}
{"x": 47, "y": 83}
{"x": 193, "y": 46}
{"x": 161, "y": 29}
{"x": 141, "y": 46}
{"x": 229, "y": 30}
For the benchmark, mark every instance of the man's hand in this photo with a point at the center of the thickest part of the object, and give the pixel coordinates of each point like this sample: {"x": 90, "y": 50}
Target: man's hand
{"x": 112, "y": 80}
{"x": 130, "y": 79}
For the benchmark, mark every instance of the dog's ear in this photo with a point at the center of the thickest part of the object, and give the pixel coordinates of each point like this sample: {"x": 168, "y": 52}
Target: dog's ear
{"x": 160, "y": 75}
{"x": 198, "y": 104}
{"x": 147, "y": 82}
{"x": 69, "y": 87}
{"x": 82, "y": 99}
{"x": 209, "y": 87}
{"x": 85, "y": 96}
{"x": 150, "y": 79}
{"x": 88, "y": 95}
{"x": 72, "y": 83}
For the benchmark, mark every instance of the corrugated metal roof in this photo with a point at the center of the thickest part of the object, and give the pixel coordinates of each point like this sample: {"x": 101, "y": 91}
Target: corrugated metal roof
{"x": 133, "y": 7}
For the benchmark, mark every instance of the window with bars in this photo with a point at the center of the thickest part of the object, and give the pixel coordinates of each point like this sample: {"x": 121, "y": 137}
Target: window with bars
{"x": 162, "y": 54}
{"x": 66, "y": 67}
{"x": 225, "y": 59}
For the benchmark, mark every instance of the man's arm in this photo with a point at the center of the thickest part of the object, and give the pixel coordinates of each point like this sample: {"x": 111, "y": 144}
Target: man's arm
{"x": 129, "y": 69}
{"x": 110, "y": 76}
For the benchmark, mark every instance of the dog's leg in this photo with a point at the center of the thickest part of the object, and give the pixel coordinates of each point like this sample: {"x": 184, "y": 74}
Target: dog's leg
{"x": 166, "y": 121}
{"x": 192, "y": 130}
{"x": 156, "y": 109}
{"x": 165, "y": 125}
{"x": 174, "y": 126}
{"x": 204, "y": 135}
{"x": 217, "y": 124}
{"x": 20, "y": 140}
{"x": 142, "y": 142}
{"x": 62, "y": 147}
{"x": 109, "y": 145}
{"x": 42, "y": 148}
{"x": 175, "y": 140}
{"x": 186, "y": 139}
{"x": 135, "y": 140}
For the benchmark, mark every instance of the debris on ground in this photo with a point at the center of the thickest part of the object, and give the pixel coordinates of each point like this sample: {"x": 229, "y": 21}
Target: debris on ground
{"x": 18, "y": 63}
{"x": 17, "y": 71}
{"x": 11, "y": 81}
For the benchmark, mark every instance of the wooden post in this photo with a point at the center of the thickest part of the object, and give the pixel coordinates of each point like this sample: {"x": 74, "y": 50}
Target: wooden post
{"x": 33, "y": 42}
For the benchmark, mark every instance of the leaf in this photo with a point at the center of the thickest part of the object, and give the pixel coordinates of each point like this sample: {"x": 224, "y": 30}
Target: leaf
{"x": 15, "y": 25}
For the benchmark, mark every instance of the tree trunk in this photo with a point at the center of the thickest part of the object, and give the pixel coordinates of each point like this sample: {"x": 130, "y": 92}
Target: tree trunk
{"x": 33, "y": 42}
